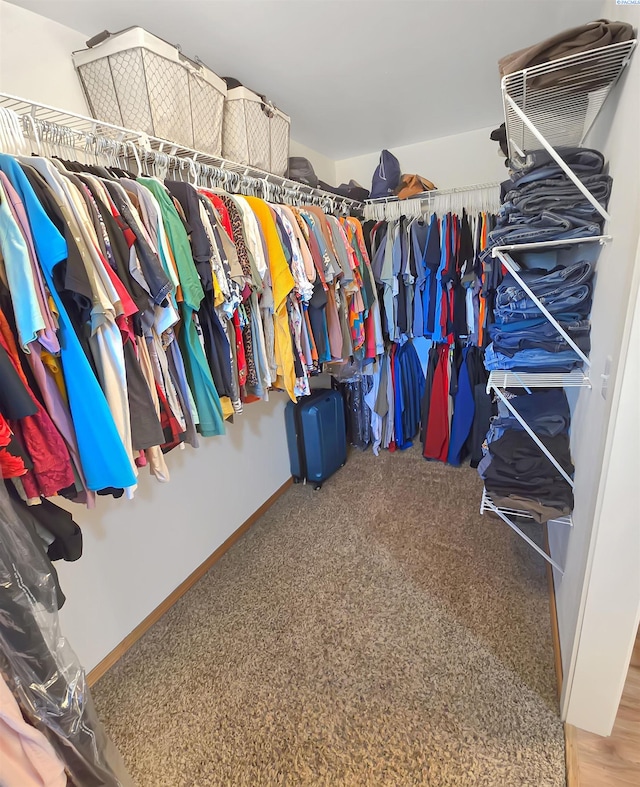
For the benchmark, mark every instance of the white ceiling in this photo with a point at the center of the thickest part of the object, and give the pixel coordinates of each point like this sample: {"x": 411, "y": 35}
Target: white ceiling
{"x": 355, "y": 75}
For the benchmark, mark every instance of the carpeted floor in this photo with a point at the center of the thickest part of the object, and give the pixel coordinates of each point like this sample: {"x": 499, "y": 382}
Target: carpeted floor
{"x": 378, "y": 632}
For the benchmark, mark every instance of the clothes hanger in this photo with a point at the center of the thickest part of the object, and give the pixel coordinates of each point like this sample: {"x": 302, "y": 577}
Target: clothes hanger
{"x": 134, "y": 150}
{"x": 13, "y": 140}
{"x": 29, "y": 121}
{"x": 194, "y": 172}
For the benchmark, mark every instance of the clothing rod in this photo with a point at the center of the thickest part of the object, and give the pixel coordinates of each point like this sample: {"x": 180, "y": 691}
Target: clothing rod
{"x": 427, "y": 195}
{"x": 85, "y": 126}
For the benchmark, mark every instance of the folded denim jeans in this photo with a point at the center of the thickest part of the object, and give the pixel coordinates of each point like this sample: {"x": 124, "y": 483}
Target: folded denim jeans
{"x": 525, "y": 234}
{"x": 510, "y": 217}
{"x": 539, "y": 328}
{"x": 556, "y": 194}
{"x": 511, "y": 343}
{"x": 583, "y": 161}
{"x": 568, "y": 218}
{"x": 531, "y": 360}
{"x": 528, "y": 323}
{"x": 575, "y": 299}
{"x": 544, "y": 282}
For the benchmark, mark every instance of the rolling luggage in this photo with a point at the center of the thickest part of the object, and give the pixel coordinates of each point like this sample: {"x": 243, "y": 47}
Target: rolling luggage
{"x": 316, "y": 436}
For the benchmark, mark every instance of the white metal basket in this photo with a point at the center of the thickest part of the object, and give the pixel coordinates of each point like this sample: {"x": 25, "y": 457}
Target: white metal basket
{"x": 254, "y": 132}
{"x": 139, "y": 81}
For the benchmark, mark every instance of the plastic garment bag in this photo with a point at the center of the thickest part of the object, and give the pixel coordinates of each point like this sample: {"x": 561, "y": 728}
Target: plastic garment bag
{"x": 39, "y": 665}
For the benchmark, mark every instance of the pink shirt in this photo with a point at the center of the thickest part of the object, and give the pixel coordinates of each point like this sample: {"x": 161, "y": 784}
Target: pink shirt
{"x": 27, "y": 759}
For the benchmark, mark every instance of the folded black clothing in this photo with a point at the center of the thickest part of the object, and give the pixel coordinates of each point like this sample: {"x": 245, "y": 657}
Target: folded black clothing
{"x": 554, "y": 491}
{"x": 66, "y": 536}
{"x": 518, "y": 452}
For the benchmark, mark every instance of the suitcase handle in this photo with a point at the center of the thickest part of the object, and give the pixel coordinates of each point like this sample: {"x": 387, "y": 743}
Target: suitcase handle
{"x": 98, "y": 39}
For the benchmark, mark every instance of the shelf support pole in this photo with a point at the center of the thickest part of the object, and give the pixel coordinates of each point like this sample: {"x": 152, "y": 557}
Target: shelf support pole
{"x": 539, "y": 550}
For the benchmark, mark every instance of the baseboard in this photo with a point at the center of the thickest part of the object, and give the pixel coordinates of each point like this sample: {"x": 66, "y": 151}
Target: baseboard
{"x": 570, "y": 753}
{"x": 553, "y": 612}
{"x": 109, "y": 660}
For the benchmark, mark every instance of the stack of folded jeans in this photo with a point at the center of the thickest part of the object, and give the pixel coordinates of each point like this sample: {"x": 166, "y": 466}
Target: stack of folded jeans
{"x": 525, "y": 340}
{"x": 516, "y": 473}
{"x": 541, "y": 203}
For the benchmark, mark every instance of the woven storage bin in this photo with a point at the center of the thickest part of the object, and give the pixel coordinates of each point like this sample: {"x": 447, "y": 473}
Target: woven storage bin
{"x": 254, "y": 132}
{"x": 136, "y": 80}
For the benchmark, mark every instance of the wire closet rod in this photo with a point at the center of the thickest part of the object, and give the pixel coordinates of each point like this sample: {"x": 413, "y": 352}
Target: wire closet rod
{"x": 425, "y": 195}
{"x": 143, "y": 145}
{"x": 482, "y": 197}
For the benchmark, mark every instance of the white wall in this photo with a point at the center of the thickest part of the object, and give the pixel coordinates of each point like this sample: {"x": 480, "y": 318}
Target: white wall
{"x": 35, "y": 59}
{"x": 449, "y": 162}
{"x": 137, "y": 552}
{"x": 50, "y": 77}
{"x": 611, "y": 608}
{"x": 325, "y": 168}
{"x": 604, "y": 519}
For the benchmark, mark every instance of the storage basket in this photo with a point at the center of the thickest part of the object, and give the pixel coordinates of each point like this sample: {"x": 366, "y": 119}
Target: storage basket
{"x": 254, "y": 132}
{"x": 136, "y": 80}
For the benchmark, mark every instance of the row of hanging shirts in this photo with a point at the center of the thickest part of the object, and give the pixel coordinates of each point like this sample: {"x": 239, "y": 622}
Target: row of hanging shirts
{"x": 430, "y": 383}
{"x": 139, "y": 315}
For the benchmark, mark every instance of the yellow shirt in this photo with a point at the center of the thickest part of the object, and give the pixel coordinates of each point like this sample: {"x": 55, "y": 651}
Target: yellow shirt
{"x": 282, "y": 282}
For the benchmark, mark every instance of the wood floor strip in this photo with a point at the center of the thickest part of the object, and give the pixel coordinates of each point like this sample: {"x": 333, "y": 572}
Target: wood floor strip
{"x": 110, "y": 659}
{"x": 571, "y": 756}
{"x": 614, "y": 761}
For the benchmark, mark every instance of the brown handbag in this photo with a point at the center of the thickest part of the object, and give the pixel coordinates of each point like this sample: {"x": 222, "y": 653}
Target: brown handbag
{"x": 410, "y": 185}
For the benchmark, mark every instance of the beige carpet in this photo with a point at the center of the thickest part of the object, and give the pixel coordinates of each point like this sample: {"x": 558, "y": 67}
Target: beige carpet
{"x": 378, "y": 632}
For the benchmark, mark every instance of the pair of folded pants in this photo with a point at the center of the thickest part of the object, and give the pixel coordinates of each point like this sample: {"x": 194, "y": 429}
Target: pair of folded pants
{"x": 532, "y": 360}
{"x": 544, "y": 283}
{"x": 558, "y": 191}
{"x": 511, "y": 343}
{"x": 577, "y": 301}
{"x": 532, "y": 233}
{"x": 564, "y": 318}
{"x": 539, "y": 164}
{"x": 519, "y": 467}
{"x": 540, "y": 510}
{"x": 546, "y": 411}
{"x": 533, "y": 334}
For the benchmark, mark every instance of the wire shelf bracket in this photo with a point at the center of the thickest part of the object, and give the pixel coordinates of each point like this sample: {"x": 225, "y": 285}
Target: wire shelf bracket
{"x": 561, "y": 98}
{"x": 507, "y": 514}
{"x": 556, "y": 103}
{"x": 528, "y": 380}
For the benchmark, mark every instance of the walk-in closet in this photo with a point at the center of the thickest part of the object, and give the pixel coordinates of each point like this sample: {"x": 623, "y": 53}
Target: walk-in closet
{"x": 318, "y": 393}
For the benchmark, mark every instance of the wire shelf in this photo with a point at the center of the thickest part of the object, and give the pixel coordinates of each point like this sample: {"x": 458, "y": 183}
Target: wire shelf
{"x": 550, "y": 244}
{"x": 561, "y": 98}
{"x": 487, "y": 504}
{"x": 85, "y": 129}
{"x": 509, "y": 379}
{"x": 478, "y": 197}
